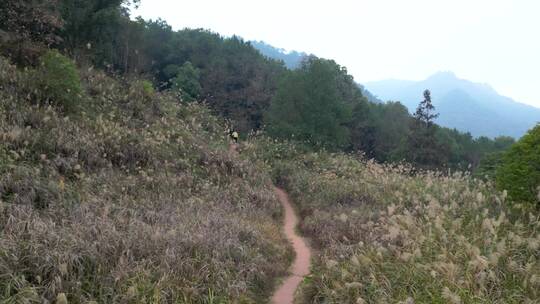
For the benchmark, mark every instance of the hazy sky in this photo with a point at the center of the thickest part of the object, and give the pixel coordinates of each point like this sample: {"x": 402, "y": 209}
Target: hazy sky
{"x": 491, "y": 41}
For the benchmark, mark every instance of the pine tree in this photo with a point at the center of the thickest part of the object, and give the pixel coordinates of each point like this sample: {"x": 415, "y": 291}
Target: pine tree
{"x": 423, "y": 148}
{"x": 425, "y": 112}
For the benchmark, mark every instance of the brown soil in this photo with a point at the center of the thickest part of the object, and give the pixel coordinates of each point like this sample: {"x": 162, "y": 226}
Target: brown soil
{"x": 302, "y": 261}
{"x": 300, "y": 266}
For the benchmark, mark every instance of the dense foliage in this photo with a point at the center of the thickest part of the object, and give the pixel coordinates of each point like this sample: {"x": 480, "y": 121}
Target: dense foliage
{"x": 519, "y": 170}
{"x": 314, "y": 104}
{"x": 58, "y": 81}
{"x": 28, "y": 27}
{"x": 186, "y": 82}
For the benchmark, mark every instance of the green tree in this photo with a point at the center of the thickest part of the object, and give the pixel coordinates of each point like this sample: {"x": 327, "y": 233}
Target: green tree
{"x": 58, "y": 81}
{"x": 186, "y": 83}
{"x": 27, "y": 28}
{"x": 423, "y": 148}
{"x": 381, "y": 130}
{"x": 519, "y": 172}
{"x": 94, "y": 24}
{"x": 309, "y": 105}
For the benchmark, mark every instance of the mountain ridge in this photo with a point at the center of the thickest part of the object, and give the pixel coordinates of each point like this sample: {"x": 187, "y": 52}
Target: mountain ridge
{"x": 500, "y": 115}
{"x": 291, "y": 59}
{"x": 486, "y": 113}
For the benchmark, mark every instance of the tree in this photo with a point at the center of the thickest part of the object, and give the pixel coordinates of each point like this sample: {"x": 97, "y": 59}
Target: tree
{"x": 186, "y": 83}
{"x": 29, "y": 27}
{"x": 309, "y": 105}
{"x": 95, "y": 24}
{"x": 423, "y": 147}
{"x": 391, "y": 128}
{"x": 58, "y": 81}
{"x": 425, "y": 112}
{"x": 519, "y": 172}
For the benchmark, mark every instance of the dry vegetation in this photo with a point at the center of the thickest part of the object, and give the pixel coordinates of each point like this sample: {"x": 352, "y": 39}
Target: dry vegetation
{"x": 386, "y": 235}
{"x": 113, "y": 193}
{"x": 132, "y": 198}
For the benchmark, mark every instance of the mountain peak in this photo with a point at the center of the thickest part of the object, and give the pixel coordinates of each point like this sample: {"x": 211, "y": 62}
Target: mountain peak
{"x": 465, "y": 105}
{"x": 445, "y": 75}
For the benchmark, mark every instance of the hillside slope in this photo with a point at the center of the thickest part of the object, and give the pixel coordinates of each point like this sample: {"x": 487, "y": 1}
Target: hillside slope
{"x": 383, "y": 234}
{"x": 464, "y": 105}
{"x": 134, "y": 198}
{"x": 291, "y": 59}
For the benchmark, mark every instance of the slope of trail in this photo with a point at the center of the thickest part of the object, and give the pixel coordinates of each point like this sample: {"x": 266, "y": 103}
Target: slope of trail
{"x": 300, "y": 267}
{"x": 302, "y": 261}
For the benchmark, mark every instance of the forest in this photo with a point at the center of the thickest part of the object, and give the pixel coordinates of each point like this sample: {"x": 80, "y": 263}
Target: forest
{"x": 251, "y": 91}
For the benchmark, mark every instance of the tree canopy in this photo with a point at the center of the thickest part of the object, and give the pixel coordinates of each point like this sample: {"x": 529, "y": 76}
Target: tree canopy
{"x": 519, "y": 171}
{"x": 313, "y": 104}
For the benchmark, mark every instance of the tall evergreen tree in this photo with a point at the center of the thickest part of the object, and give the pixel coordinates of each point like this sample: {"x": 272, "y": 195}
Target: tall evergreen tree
{"x": 423, "y": 148}
{"x": 425, "y": 112}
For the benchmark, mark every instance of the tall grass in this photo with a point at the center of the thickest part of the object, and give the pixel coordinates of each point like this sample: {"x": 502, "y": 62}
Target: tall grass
{"x": 133, "y": 199}
{"x": 387, "y": 234}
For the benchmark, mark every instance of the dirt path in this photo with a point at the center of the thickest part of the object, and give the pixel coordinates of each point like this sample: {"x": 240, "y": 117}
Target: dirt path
{"x": 300, "y": 266}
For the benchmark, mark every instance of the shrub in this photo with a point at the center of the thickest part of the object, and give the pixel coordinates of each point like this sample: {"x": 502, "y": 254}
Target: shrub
{"x": 148, "y": 88}
{"x": 519, "y": 172}
{"x": 58, "y": 81}
{"x": 186, "y": 83}
{"x": 142, "y": 100}
{"x": 488, "y": 165}
{"x": 24, "y": 187}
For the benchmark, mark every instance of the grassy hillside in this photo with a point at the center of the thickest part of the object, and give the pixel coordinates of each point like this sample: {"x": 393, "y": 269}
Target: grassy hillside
{"x": 385, "y": 235}
{"x": 131, "y": 198}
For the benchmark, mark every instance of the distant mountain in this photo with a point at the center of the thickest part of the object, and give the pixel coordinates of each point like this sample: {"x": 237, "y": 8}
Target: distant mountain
{"x": 467, "y": 106}
{"x": 292, "y": 59}
{"x": 370, "y": 97}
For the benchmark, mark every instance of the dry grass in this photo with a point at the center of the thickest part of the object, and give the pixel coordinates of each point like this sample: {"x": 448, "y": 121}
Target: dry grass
{"x": 385, "y": 235}
{"x": 133, "y": 200}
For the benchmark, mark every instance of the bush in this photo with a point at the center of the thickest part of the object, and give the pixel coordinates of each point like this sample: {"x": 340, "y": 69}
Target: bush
{"x": 24, "y": 187}
{"x": 148, "y": 88}
{"x": 58, "y": 81}
{"x": 142, "y": 100}
{"x": 488, "y": 165}
{"x": 186, "y": 83}
{"x": 519, "y": 172}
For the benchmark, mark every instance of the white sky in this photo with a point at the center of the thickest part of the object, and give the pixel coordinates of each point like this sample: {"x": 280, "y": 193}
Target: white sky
{"x": 490, "y": 41}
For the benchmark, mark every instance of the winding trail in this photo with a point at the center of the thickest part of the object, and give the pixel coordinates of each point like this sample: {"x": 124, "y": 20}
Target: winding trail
{"x": 302, "y": 261}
